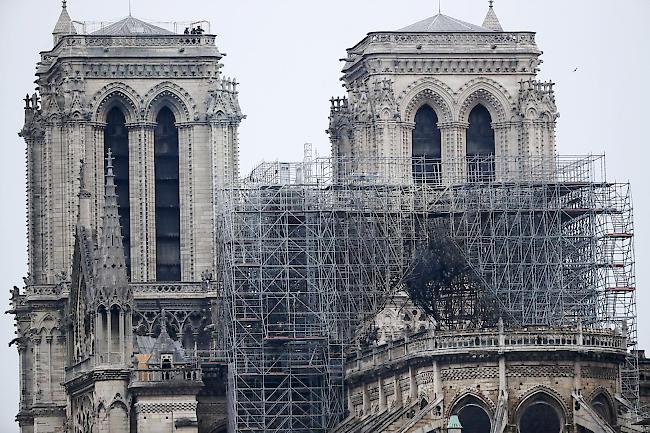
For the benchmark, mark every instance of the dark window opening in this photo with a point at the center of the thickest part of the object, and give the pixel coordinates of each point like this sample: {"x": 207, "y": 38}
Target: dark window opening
{"x": 168, "y": 216}
{"x": 116, "y": 138}
{"x": 480, "y": 146}
{"x": 474, "y": 419}
{"x": 426, "y": 146}
{"x": 540, "y": 417}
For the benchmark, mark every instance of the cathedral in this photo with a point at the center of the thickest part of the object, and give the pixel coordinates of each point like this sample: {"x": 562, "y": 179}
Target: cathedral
{"x": 445, "y": 269}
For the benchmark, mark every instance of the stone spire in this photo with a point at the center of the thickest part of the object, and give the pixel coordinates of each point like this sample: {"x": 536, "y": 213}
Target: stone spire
{"x": 112, "y": 281}
{"x": 491, "y": 21}
{"x": 64, "y": 26}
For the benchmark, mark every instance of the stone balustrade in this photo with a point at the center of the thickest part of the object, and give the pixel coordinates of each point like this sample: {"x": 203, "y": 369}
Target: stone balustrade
{"x": 487, "y": 341}
{"x": 154, "y": 376}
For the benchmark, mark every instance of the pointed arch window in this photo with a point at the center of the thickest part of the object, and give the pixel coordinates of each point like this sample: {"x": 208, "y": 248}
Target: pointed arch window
{"x": 116, "y": 138}
{"x": 168, "y": 216}
{"x": 480, "y": 146}
{"x": 426, "y": 146}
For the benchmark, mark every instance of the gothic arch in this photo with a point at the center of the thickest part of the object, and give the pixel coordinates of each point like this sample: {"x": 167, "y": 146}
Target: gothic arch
{"x": 172, "y": 96}
{"x": 115, "y": 95}
{"x": 427, "y": 91}
{"x": 546, "y": 395}
{"x": 47, "y": 324}
{"x": 476, "y": 409}
{"x": 602, "y": 395}
{"x": 487, "y": 404}
{"x": 487, "y": 92}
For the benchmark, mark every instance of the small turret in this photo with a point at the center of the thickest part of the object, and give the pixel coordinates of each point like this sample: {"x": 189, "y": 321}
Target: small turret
{"x": 64, "y": 26}
{"x": 491, "y": 21}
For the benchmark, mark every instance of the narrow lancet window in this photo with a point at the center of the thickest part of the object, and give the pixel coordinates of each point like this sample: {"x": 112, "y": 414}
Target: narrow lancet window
{"x": 480, "y": 145}
{"x": 116, "y": 138}
{"x": 168, "y": 242}
{"x": 426, "y": 146}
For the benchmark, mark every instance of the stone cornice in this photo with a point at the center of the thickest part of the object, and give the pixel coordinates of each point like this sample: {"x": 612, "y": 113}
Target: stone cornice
{"x": 140, "y": 125}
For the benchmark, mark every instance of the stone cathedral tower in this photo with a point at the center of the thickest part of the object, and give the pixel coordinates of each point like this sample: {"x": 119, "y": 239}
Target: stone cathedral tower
{"x": 473, "y": 89}
{"x": 154, "y": 99}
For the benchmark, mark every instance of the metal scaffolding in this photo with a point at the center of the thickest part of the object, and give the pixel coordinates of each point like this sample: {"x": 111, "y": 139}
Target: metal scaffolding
{"x": 310, "y": 250}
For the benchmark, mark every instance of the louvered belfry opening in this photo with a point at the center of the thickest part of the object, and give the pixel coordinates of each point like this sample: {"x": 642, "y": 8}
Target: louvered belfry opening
{"x": 116, "y": 138}
{"x": 168, "y": 245}
{"x": 480, "y": 146}
{"x": 426, "y": 146}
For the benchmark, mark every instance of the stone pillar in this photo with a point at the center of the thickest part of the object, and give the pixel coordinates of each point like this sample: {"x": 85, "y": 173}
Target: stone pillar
{"x": 437, "y": 382}
{"x": 186, "y": 195}
{"x": 48, "y": 385}
{"x": 413, "y": 385}
{"x": 121, "y": 326}
{"x": 94, "y": 166}
{"x": 109, "y": 346}
{"x": 36, "y": 369}
{"x": 382, "y": 394}
{"x": 453, "y": 136}
{"x": 142, "y": 201}
{"x": 366, "y": 400}
{"x": 99, "y": 343}
{"x": 399, "y": 398}
{"x": 406, "y": 149}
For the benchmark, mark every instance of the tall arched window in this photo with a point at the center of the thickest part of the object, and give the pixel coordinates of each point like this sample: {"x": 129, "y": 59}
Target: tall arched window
{"x": 168, "y": 216}
{"x": 426, "y": 148}
{"x": 116, "y": 138}
{"x": 480, "y": 145}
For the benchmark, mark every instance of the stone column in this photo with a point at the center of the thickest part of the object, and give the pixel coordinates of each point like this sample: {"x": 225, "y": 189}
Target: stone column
{"x": 121, "y": 326}
{"x": 99, "y": 343}
{"x": 186, "y": 195}
{"x": 48, "y": 385}
{"x": 399, "y": 398}
{"x": 142, "y": 201}
{"x": 94, "y": 166}
{"x": 109, "y": 345}
{"x": 413, "y": 385}
{"x": 36, "y": 368}
{"x": 382, "y": 394}
{"x": 453, "y": 136}
{"x": 406, "y": 149}
{"x": 366, "y": 400}
{"x": 503, "y": 155}
{"x": 437, "y": 383}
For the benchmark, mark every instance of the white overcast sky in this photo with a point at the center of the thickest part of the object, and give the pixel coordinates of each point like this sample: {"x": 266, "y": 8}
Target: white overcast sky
{"x": 285, "y": 55}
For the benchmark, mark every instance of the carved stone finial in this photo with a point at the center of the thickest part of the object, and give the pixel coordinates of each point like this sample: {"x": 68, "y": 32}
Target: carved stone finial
{"x": 109, "y": 158}
{"x": 65, "y": 3}
{"x": 491, "y": 3}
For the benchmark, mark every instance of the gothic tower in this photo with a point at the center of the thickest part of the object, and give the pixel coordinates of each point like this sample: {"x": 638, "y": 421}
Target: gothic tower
{"x": 171, "y": 121}
{"x": 446, "y": 93}
{"x": 155, "y": 101}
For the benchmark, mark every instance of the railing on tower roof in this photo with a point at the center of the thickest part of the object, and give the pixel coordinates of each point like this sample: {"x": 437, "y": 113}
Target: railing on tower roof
{"x": 177, "y": 27}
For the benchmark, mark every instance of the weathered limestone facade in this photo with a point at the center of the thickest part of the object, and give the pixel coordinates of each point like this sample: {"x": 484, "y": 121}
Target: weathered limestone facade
{"x": 79, "y": 81}
{"x": 452, "y": 67}
{"x": 416, "y": 379}
{"x": 76, "y": 352}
